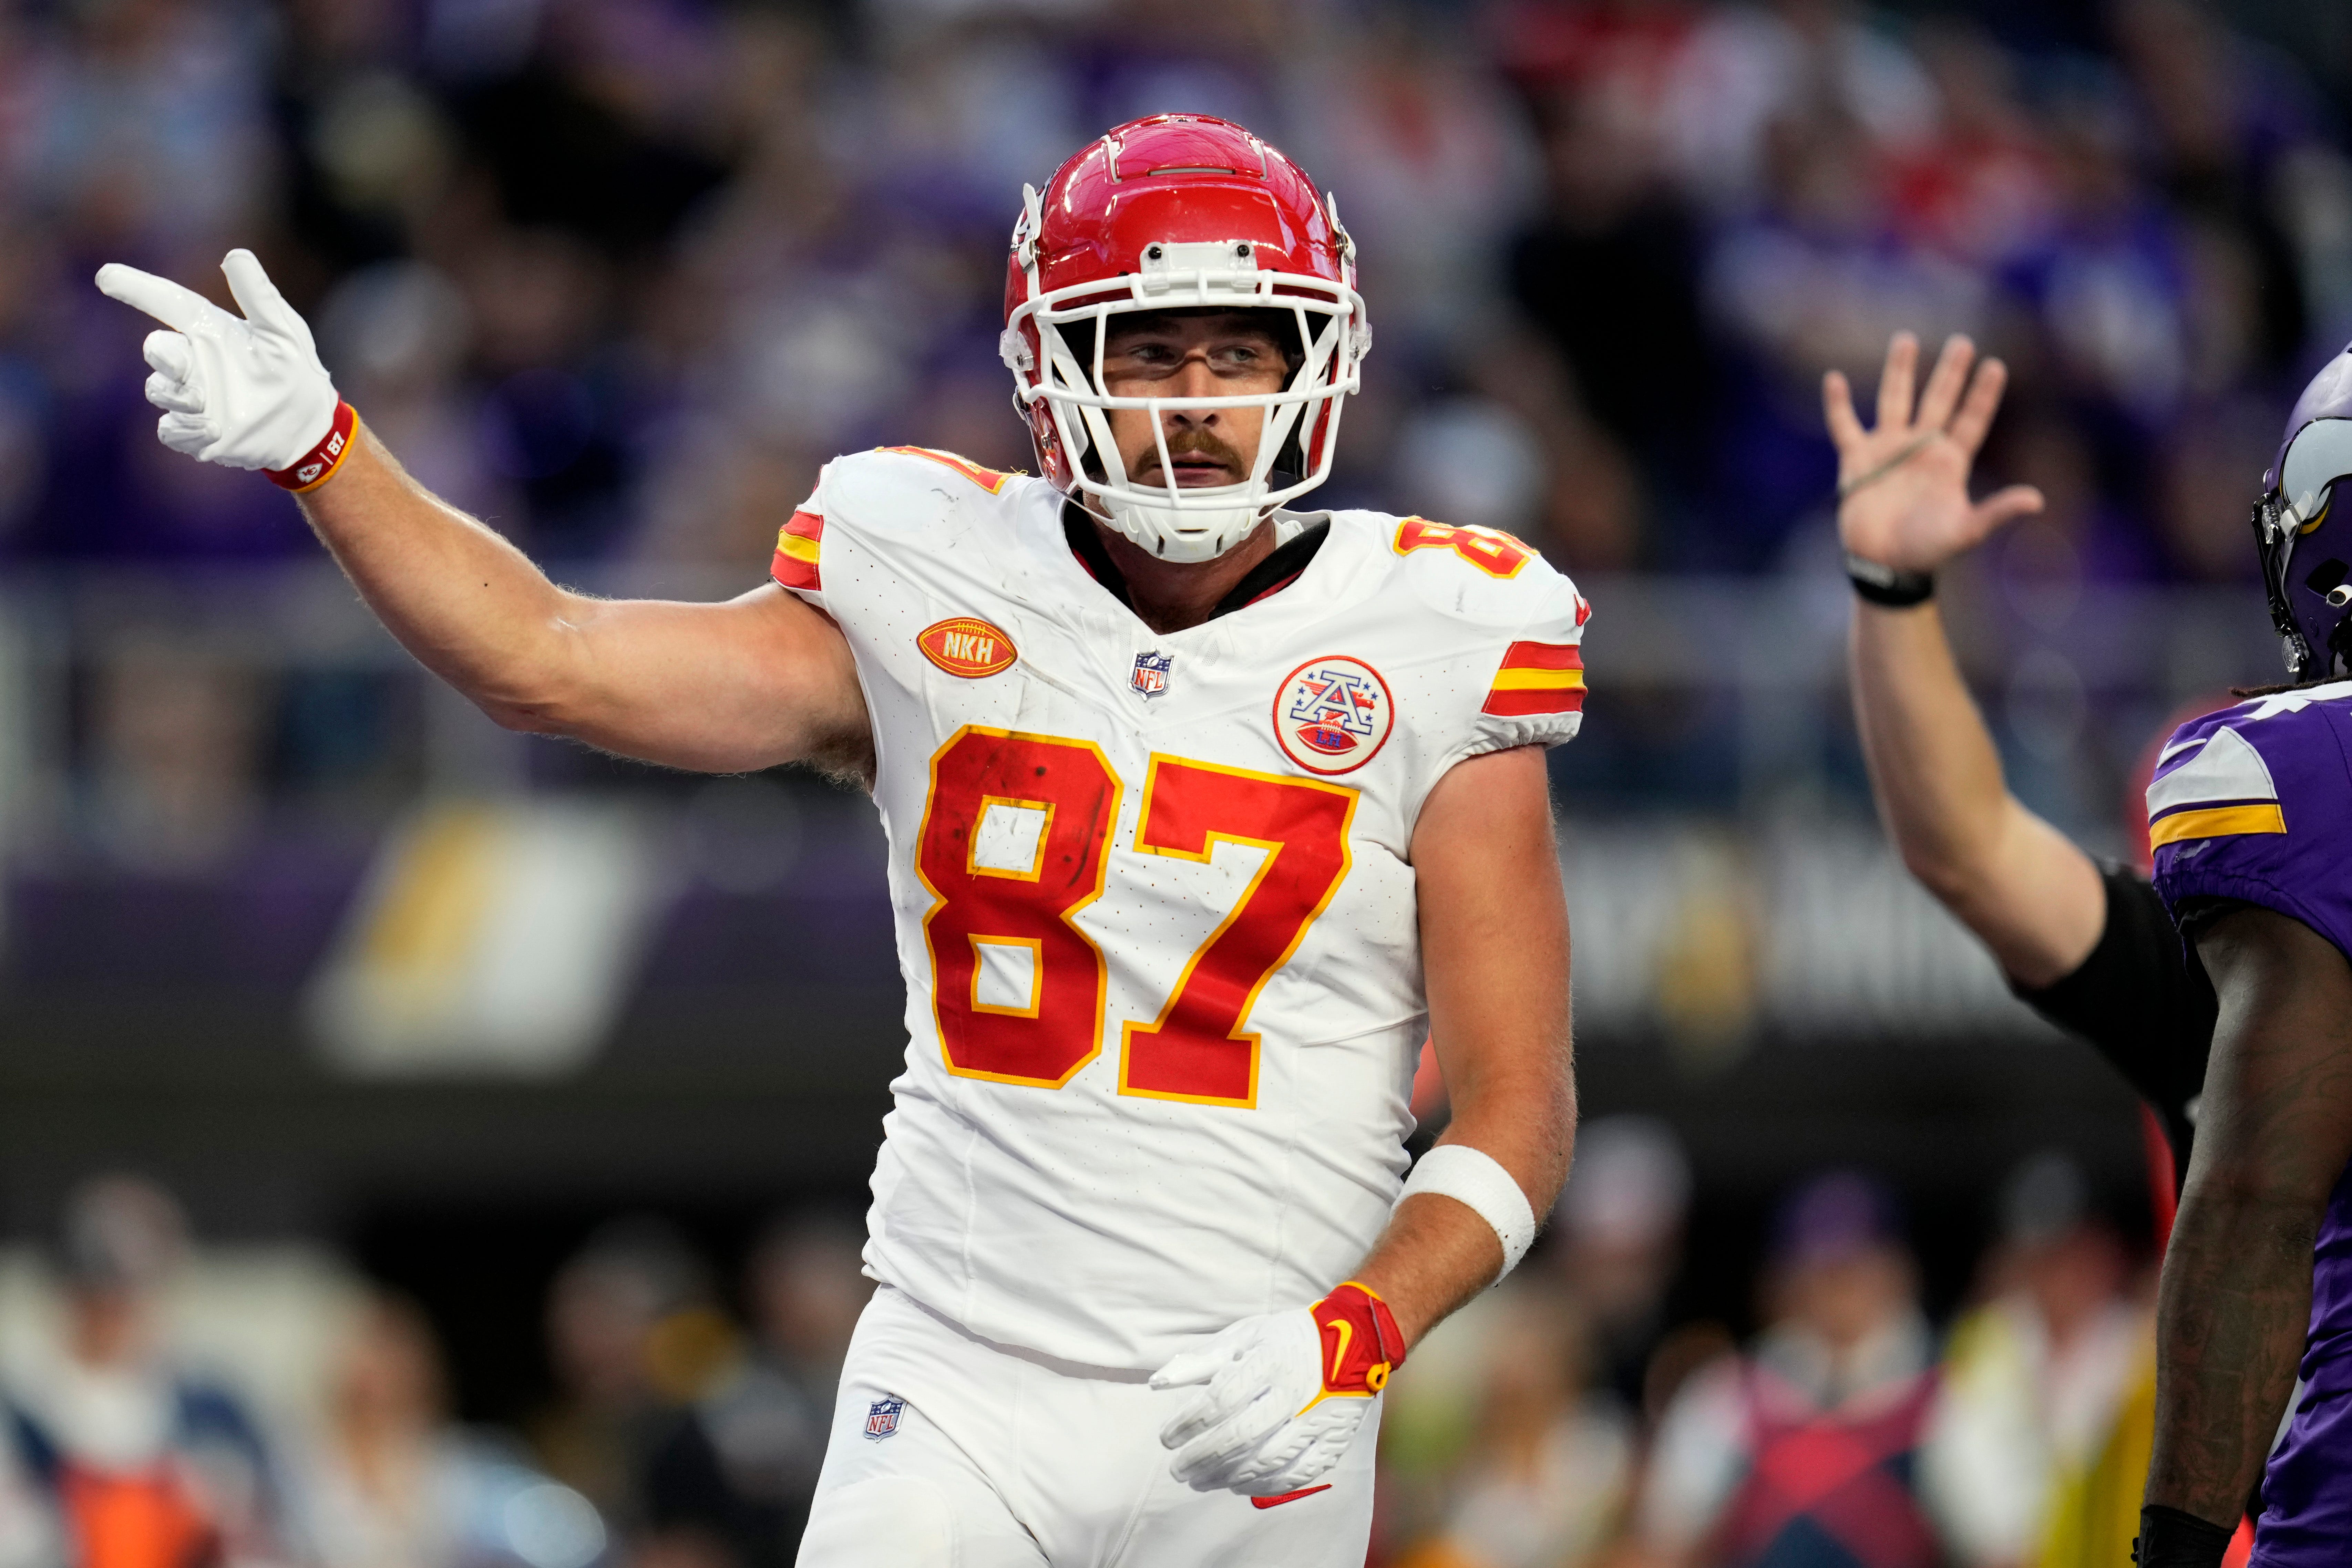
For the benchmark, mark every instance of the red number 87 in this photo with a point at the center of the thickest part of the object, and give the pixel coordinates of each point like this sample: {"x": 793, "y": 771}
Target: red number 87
{"x": 1018, "y": 990}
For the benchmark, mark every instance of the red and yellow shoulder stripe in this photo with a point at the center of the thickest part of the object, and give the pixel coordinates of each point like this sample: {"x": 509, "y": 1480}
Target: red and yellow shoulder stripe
{"x": 797, "y": 548}
{"x": 988, "y": 479}
{"x": 1537, "y": 678}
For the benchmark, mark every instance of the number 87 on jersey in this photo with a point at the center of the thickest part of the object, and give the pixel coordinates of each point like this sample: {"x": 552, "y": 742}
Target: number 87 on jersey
{"x": 1016, "y": 843}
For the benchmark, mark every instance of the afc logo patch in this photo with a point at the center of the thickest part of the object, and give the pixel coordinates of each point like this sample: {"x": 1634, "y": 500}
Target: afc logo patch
{"x": 1332, "y": 714}
{"x": 882, "y": 1416}
{"x": 1152, "y": 670}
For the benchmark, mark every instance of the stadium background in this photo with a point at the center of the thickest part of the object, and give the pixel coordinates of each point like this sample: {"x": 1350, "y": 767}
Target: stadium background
{"x": 379, "y": 993}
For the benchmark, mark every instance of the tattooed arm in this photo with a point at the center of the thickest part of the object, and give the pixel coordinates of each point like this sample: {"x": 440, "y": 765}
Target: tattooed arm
{"x": 2273, "y": 1132}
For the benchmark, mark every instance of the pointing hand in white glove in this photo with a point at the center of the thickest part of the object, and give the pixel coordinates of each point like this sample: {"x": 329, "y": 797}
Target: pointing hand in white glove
{"x": 245, "y": 392}
{"x": 1286, "y": 1394}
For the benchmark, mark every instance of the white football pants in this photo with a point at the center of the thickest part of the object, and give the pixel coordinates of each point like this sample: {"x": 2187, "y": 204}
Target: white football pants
{"x": 950, "y": 1451}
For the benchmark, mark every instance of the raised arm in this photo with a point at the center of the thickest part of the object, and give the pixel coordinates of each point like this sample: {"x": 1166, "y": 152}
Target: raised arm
{"x": 2273, "y": 1136}
{"x": 2025, "y": 890}
{"x": 728, "y": 687}
{"x": 759, "y": 680}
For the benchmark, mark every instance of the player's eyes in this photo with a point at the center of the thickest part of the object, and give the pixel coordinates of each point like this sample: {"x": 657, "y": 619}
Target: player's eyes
{"x": 1232, "y": 358}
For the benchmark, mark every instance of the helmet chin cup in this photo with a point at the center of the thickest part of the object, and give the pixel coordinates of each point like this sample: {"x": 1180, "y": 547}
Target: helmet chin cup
{"x": 1181, "y": 536}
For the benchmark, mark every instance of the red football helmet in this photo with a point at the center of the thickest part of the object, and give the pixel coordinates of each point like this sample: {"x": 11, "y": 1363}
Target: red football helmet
{"x": 1181, "y": 212}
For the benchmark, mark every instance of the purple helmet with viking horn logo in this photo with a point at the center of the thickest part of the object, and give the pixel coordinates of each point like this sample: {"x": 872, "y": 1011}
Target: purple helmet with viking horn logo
{"x": 2304, "y": 543}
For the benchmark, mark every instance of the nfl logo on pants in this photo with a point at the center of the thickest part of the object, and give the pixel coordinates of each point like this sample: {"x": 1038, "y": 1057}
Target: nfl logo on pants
{"x": 1151, "y": 675}
{"x": 882, "y": 1416}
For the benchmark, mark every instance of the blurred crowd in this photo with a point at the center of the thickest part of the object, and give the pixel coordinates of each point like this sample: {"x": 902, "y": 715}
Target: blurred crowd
{"x": 684, "y": 1429}
{"x": 1568, "y": 1420}
{"x": 619, "y": 274}
{"x": 1577, "y": 1415}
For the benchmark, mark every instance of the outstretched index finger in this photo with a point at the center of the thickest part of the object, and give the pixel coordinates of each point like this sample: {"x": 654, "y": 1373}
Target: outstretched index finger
{"x": 1837, "y": 408}
{"x": 255, "y": 294}
{"x": 165, "y": 301}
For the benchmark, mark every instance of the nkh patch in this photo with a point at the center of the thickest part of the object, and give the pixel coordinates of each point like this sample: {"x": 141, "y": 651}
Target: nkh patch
{"x": 882, "y": 1416}
{"x": 1332, "y": 714}
{"x": 1151, "y": 675}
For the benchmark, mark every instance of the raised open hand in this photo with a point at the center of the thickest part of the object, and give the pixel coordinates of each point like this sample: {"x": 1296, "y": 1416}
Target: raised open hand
{"x": 1902, "y": 488}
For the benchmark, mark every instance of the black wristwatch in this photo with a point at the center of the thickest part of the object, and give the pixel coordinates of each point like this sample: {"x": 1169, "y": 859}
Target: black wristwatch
{"x": 1888, "y": 586}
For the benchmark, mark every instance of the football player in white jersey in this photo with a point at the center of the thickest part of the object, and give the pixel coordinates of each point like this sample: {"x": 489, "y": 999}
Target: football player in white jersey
{"x": 1204, "y": 813}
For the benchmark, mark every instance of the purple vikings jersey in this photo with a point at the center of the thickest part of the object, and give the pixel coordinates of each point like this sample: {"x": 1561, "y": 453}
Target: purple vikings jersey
{"x": 2255, "y": 804}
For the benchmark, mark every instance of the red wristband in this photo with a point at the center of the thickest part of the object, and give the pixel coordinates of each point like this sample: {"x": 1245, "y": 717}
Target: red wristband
{"x": 1361, "y": 1344}
{"x": 318, "y": 465}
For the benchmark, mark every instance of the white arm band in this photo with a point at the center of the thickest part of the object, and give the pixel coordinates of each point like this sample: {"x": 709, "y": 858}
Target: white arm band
{"x": 1471, "y": 1176}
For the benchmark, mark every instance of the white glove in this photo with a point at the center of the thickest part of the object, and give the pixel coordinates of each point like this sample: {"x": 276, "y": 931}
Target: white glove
{"x": 1286, "y": 1392}
{"x": 245, "y": 393}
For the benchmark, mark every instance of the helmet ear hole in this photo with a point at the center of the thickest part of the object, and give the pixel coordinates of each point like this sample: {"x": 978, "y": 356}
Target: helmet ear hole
{"x": 2326, "y": 576}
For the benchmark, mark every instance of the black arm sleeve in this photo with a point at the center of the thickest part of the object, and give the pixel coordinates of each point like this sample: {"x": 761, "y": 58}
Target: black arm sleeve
{"x": 2143, "y": 1001}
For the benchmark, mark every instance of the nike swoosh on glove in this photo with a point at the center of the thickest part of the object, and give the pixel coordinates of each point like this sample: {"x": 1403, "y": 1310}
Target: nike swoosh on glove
{"x": 245, "y": 392}
{"x": 1286, "y": 1393}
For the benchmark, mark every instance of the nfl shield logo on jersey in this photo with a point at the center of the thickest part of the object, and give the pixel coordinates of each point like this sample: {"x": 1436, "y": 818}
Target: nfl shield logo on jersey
{"x": 1151, "y": 675}
{"x": 1332, "y": 714}
{"x": 882, "y": 1416}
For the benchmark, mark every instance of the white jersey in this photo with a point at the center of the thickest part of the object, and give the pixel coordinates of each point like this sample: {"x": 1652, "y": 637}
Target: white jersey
{"x": 1153, "y": 906}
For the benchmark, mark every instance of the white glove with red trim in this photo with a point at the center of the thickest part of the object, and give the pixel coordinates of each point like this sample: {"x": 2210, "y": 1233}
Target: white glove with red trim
{"x": 1286, "y": 1392}
{"x": 245, "y": 392}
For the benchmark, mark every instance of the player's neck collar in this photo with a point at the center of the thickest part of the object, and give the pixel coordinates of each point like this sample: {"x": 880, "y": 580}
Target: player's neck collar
{"x": 1277, "y": 572}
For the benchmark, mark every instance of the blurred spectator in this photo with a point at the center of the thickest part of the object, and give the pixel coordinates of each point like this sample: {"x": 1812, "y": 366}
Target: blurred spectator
{"x": 177, "y": 754}
{"x": 1615, "y": 231}
{"x": 1806, "y": 1448}
{"x": 636, "y": 1338}
{"x": 1616, "y": 1242}
{"x": 1811, "y": 280}
{"x": 140, "y": 1461}
{"x": 1749, "y": 69}
{"x": 2042, "y": 1432}
{"x": 768, "y": 1420}
{"x": 394, "y": 1485}
{"x": 398, "y": 334}
{"x": 2079, "y": 542}
{"x": 1544, "y": 1481}
{"x": 29, "y": 1536}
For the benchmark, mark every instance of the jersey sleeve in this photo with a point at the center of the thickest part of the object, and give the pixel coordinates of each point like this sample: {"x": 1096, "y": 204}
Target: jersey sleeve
{"x": 1535, "y": 688}
{"x": 799, "y": 565}
{"x": 2143, "y": 1001}
{"x": 2255, "y": 804}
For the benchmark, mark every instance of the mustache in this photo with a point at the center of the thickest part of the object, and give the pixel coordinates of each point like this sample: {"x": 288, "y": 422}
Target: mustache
{"x": 1188, "y": 442}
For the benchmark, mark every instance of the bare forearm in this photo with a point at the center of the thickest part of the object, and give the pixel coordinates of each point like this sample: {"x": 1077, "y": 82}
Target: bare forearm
{"x": 1437, "y": 1254}
{"x": 1434, "y": 1256}
{"x": 1932, "y": 763}
{"x": 1494, "y": 956}
{"x": 2025, "y": 890}
{"x": 471, "y": 606}
{"x": 2230, "y": 1325}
